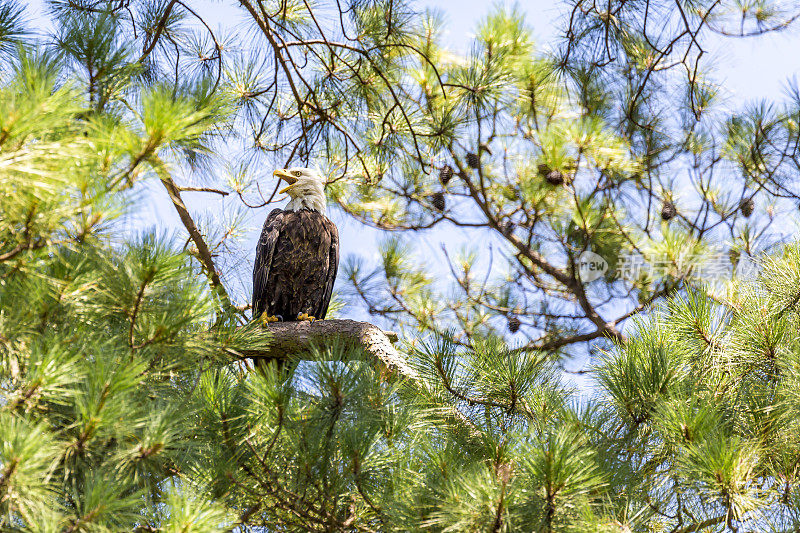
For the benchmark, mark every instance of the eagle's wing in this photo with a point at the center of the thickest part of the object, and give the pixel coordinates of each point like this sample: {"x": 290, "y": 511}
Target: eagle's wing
{"x": 333, "y": 265}
{"x": 264, "y": 253}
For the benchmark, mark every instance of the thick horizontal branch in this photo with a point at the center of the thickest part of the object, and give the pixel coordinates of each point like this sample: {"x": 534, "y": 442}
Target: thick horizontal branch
{"x": 298, "y": 337}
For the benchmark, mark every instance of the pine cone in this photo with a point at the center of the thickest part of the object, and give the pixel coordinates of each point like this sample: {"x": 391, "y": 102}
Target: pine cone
{"x": 473, "y": 161}
{"x": 668, "y": 210}
{"x": 543, "y": 169}
{"x": 445, "y": 174}
{"x": 554, "y": 177}
{"x": 437, "y": 200}
{"x": 747, "y": 206}
{"x": 513, "y": 323}
{"x": 506, "y": 227}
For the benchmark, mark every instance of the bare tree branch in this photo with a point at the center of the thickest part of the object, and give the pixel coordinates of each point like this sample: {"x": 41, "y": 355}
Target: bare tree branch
{"x": 203, "y": 252}
{"x": 298, "y": 337}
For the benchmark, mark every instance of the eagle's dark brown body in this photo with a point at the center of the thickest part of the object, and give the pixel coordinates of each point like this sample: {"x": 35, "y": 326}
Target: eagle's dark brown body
{"x": 296, "y": 262}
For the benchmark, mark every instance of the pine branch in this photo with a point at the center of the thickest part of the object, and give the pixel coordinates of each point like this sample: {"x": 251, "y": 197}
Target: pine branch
{"x": 203, "y": 252}
{"x": 203, "y": 189}
{"x": 298, "y": 337}
{"x": 568, "y": 280}
{"x": 22, "y": 247}
{"x": 159, "y": 29}
{"x": 699, "y": 526}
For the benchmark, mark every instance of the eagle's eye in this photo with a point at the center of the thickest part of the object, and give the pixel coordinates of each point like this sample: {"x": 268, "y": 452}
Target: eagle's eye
{"x": 297, "y": 173}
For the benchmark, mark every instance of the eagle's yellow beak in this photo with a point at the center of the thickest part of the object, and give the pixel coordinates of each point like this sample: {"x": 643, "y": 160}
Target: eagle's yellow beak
{"x": 288, "y": 178}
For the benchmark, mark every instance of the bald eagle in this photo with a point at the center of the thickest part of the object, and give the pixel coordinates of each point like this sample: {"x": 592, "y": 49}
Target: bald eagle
{"x": 297, "y": 254}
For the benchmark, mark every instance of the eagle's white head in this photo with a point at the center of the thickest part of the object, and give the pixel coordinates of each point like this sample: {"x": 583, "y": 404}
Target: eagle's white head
{"x": 306, "y": 188}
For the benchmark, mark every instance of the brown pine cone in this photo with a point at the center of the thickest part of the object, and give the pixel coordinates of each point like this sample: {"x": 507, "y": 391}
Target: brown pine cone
{"x": 513, "y": 323}
{"x": 668, "y": 210}
{"x": 473, "y": 161}
{"x": 543, "y": 169}
{"x": 437, "y": 200}
{"x": 747, "y": 206}
{"x": 554, "y": 177}
{"x": 445, "y": 174}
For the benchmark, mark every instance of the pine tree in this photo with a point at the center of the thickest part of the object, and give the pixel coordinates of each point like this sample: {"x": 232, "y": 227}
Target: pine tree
{"x": 703, "y": 406}
{"x": 103, "y": 337}
{"x": 129, "y": 403}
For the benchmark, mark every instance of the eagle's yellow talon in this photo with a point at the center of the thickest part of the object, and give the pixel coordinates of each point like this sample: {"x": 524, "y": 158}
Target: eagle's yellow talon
{"x": 268, "y": 319}
{"x": 305, "y": 317}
